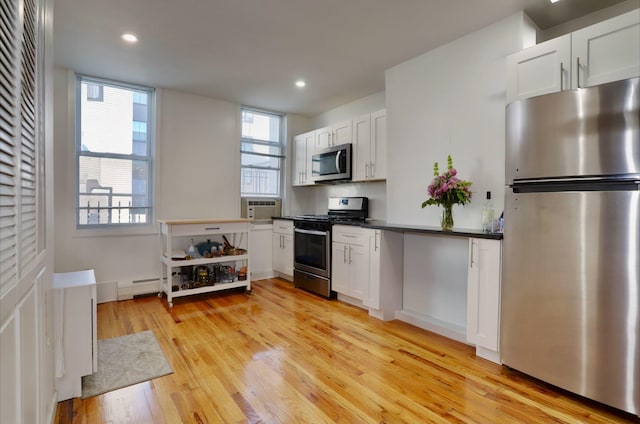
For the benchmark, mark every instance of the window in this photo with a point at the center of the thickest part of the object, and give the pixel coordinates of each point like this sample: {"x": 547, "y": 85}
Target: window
{"x": 261, "y": 153}
{"x": 114, "y": 146}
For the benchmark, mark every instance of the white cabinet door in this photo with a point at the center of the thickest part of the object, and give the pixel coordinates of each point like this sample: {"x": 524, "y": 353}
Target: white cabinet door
{"x": 607, "y": 51}
{"x": 340, "y": 268}
{"x": 541, "y": 69}
{"x": 303, "y": 146}
{"x": 278, "y": 256}
{"x": 359, "y": 271}
{"x": 373, "y": 298}
{"x": 378, "y": 150}
{"x": 350, "y": 261}
{"x": 342, "y": 133}
{"x": 282, "y": 245}
{"x": 361, "y": 147}
{"x": 287, "y": 253}
{"x": 334, "y": 135}
{"x": 370, "y": 147}
{"x": 483, "y": 293}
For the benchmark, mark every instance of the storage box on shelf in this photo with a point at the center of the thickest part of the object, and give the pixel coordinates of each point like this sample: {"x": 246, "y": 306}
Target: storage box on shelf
{"x": 283, "y": 248}
{"x": 221, "y": 260}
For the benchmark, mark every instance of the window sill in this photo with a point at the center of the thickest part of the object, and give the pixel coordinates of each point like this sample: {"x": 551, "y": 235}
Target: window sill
{"x": 143, "y": 230}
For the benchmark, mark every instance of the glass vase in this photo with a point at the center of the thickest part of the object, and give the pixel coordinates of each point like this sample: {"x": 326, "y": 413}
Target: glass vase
{"x": 447, "y": 218}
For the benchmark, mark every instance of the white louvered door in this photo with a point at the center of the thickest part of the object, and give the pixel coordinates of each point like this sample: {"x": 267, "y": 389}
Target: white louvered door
{"x": 26, "y": 386}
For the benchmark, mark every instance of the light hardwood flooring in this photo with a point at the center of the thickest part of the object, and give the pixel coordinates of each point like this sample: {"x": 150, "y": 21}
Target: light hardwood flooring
{"x": 281, "y": 355}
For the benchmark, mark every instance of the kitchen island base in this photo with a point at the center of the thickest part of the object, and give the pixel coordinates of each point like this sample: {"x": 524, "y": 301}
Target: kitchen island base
{"x": 220, "y": 258}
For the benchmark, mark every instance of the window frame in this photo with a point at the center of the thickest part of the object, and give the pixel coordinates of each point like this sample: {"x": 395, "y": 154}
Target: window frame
{"x": 281, "y": 157}
{"x": 149, "y": 158}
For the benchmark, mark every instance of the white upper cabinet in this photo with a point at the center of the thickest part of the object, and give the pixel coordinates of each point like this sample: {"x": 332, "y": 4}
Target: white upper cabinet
{"x": 303, "y": 146}
{"x": 607, "y": 51}
{"x": 334, "y": 135}
{"x": 541, "y": 69}
{"x": 601, "y": 53}
{"x": 378, "y": 168}
{"x": 370, "y": 147}
{"x": 361, "y": 147}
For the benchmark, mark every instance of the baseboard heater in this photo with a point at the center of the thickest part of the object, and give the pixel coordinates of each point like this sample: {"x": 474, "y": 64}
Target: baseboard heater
{"x": 129, "y": 289}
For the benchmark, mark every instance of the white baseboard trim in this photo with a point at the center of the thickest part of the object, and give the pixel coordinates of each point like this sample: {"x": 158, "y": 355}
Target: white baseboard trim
{"x": 283, "y": 276}
{"x": 446, "y": 329}
{"x": 261, "y": 275}
{"x": 488, "y": 354}
{"x": 107, "y": 291}
{"x": 53, "y": 408}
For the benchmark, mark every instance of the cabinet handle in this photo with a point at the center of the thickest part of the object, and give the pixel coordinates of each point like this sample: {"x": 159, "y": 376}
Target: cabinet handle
{"x": 371, "y": 173}
{"x": 344, "y": 255}
{"x": 561, "y": 76}
{"x": 375, "y": 241}
{"x": 366, "y": 170}
{"x": 471, "y": 254}
{"x": 349, "y": 254}
{"x": 211, "y": 228}
{"x": 578, "y": 71}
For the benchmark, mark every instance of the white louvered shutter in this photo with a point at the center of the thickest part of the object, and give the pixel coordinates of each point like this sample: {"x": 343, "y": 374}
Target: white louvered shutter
{"x": 9, "y": 95}
{"x": 28, "y": 170}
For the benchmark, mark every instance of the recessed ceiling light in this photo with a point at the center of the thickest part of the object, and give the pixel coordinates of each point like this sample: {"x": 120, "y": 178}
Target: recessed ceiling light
{"x": 554, "y": 1}
{"x": 129, "y": 38}
{"x": 300, "y": 83}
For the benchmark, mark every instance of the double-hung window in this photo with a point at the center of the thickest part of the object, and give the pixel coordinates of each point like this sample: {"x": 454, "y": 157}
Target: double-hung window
{"x": 114, "y": 153}
{"x": 261, "y": 151}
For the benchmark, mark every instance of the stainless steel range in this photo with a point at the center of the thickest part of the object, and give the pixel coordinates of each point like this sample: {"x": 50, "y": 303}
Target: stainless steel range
{"x": 312, "y": 243}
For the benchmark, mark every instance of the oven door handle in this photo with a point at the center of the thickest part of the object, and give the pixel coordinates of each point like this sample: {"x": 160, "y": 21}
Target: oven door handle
{"x": 313, "y": 233}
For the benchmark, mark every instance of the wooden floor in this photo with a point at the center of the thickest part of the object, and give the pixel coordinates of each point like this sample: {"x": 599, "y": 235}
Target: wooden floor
{"x": 280, "y": 355}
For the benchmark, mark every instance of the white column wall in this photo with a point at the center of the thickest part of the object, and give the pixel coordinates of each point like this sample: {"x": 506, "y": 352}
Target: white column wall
{"x": 450, "y": 100}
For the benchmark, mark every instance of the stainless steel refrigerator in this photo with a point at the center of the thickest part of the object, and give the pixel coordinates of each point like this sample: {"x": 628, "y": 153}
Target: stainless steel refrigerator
{"x": 570, "y": 311}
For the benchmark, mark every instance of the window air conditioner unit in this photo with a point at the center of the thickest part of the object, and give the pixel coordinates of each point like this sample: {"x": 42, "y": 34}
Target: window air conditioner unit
{"x": 260, "y": 209}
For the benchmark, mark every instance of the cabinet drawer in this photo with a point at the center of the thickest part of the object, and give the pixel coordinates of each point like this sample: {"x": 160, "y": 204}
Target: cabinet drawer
{"x": 206, "y": 229}
{"x": 350, "y": 235}
{"x": 283, "y": 227}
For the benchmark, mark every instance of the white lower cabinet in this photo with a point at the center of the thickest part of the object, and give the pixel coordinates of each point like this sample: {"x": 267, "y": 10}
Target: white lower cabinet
{"x": 260, "y": 246}
{"x": 483, "y": 297}
{"x": 282, "y": 247}
{"x": 385, "y": 274}
{"x": 76, "y": 337}
{"x": 350, "y": 261}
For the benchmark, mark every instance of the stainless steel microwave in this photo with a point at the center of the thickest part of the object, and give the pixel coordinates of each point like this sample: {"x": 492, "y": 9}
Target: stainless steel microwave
{"x": 332, "y": 164}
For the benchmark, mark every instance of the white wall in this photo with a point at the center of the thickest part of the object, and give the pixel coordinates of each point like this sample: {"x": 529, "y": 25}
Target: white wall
{"x": 197, "y": 176}
{"x": 350, "y": 110}
{"x": 198, "y": 157}
{"x": 450, "y": 100}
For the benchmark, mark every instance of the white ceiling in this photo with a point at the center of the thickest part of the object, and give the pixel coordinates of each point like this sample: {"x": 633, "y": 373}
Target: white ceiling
{"x": 252, "y": 51}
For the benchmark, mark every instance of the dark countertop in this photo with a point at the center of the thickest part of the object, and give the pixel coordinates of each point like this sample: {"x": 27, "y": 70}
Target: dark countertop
{"x": 378, "y": 224}
{"x": 408, "y": 228}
